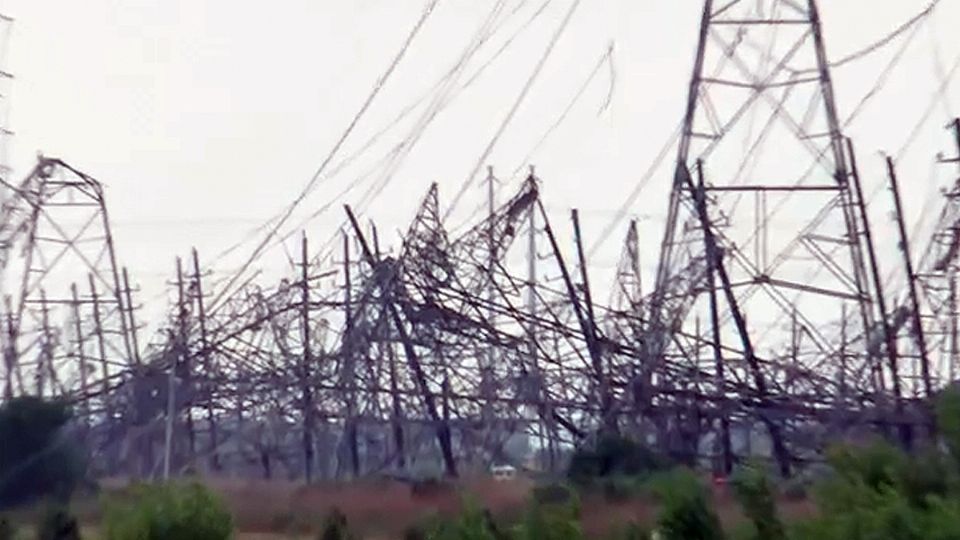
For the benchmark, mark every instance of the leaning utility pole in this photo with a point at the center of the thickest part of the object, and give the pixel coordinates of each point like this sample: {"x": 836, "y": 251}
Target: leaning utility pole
{"x": 182, "y": 358}
{"x": 952, "y": 299}
{"x": 205, "y": 356}
{"x": 889, "y": 335}
{"x": 490, "y": 356}
{"x": 306, "y": 361}
{"x": 348, "y": 378}
{"x": 918, "y": 332}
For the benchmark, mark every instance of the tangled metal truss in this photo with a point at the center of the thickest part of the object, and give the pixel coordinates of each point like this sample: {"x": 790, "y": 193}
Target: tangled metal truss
{"x": 442, "y": 353}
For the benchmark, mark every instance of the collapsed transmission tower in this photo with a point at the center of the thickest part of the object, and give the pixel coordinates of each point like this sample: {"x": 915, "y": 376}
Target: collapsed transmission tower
{"x": 61, "y": 337}
{"x": 767, "y": 323}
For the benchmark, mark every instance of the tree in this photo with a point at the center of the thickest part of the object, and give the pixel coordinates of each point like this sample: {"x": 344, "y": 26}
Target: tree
{"x": 611, "y": 456}
{"x": 36, "y": 461}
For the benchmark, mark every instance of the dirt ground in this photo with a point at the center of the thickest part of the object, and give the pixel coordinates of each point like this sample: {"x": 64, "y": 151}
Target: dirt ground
{"x": 372, "y": 507}
{"x": 383, "y": 510}
{"x": 386, "y": 509}
{"x": 377, "y": 509}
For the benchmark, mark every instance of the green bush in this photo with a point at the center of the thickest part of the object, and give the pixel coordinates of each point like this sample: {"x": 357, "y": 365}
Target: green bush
{"x": 879, "y": 492}
{"x": 414, "y": 532}
{"x": 613, "y": 455}
{"x": 874, "y": 492}
{"x": 877, "y": 465}
{"x": 947, "y": 408}
{"x": 167, "y": 511}
{"x": 794, "y": 489}
{"x": 755, "y": 495}
{"x": 471, "y": 524}
{"x": 7, "y": 530}
{"x": 686, "y": 513}
{"x": 851, "y": 510}
{"x": 335, "y": 526}
{"x": 35, "y": 460}
{"x": 620, "y": 488}
{"x": 943, "y": 519}
{"x": 549, "y": 518}
{"x": 56, "y": 523}
{"x": 554, "y": 494}
{"x": 927, "y": 474}
{"x": 545, "y": 521}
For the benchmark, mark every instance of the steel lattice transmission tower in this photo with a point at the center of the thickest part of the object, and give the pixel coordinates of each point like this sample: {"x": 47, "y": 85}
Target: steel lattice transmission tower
{"x": 766, "y": 258}
{"x": 67, "y": 330}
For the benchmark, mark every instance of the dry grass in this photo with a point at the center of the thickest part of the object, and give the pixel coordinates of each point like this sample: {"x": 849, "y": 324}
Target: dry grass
{"x": 383, "y": 510}
{"x": 372, "y": 507}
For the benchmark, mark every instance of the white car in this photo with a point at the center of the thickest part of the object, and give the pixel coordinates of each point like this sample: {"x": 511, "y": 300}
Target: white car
{"x": 503, "y": 472}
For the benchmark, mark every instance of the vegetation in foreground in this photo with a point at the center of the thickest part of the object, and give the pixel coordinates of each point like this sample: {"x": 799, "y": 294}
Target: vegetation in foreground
{"x": 873, "y": 492}
{"x": 37, "y": 458}
{"x": 167, "y": 511}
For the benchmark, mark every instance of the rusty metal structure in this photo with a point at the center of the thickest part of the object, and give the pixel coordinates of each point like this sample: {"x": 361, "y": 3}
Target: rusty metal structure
{"x": 366, "y": 361}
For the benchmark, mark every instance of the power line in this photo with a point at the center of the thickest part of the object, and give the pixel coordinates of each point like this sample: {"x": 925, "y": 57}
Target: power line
{"x": 877, "y": 45}
{"x": 381, "y": 82}
{"x": 513, "y": 109}
{"x": 402, "y": 115}
{"x": 605, "y": 58}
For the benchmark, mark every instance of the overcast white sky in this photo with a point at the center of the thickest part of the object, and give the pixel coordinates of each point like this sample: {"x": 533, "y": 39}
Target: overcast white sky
{"x": 205, "y": 118}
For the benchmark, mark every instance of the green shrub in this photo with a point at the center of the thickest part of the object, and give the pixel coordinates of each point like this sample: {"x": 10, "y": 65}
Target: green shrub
{"x": 947, "y": 408}
{"x": 755, "y": 495}
{"x": 554, "y": 494}
{"x": 552, "y": 519}
{"x": 850, "y": 510}
{"x": 620, "y": 488}
{"x": 794, "y": 489}
{"x": 414, "y": 532}
{"x": 881, "y": 467}
{"x": 876, "y": 465}
{"x": 943, "y": 519}
{"x": 686, "y": 513}
{"x": 613, "y": 455}
{"x": 168, "y": 511}
{"x": 895, "y": 518}
{"x": 471, "y": 524}
{"x": 7, "y": 530}
{"x": 35, "y": 460}
{"x": 545, "y": 521}
{"x": 335, "y": 526}
{"x": 56, "y": 523}
{"x": 926, "y": 475}
{"x": 878, "y": 492}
